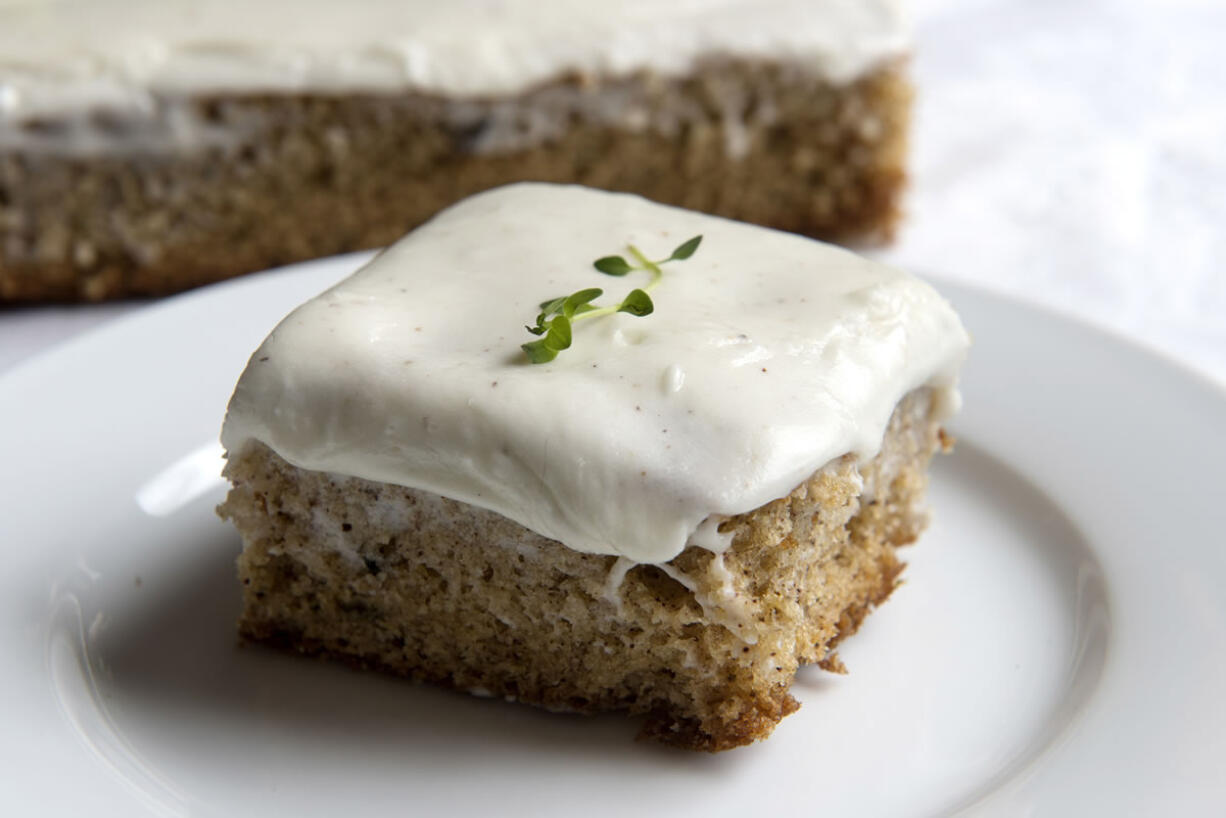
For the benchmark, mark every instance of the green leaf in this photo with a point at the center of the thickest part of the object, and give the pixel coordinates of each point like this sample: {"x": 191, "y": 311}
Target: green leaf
{"x": 538, "y": 352}
{"x": 612, "y": 265}
{"x": 557, "y": 338}
{"x": 637, "y": 303}
{"x": 559, "y": 335}
{"x": 549, "y": 308}
{"x": 580, "y": 299}
{"x": 553, "y": 323}
{"x": 686, "y": 249}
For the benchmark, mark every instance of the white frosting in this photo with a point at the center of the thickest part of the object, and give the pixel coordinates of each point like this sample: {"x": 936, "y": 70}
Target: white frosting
{"x": 768, "y": 355}
{"x": 61, "y": 56}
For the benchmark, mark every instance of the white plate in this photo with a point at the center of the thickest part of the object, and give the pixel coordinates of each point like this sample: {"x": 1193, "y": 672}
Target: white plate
{"x": 1059, "y": 646}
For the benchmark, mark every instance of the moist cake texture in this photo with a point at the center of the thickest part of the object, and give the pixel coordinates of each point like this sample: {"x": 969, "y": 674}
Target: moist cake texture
{"x": 147, "y": 147}
{"x": 669, "y": 518}
{"x": 706, "y": 645}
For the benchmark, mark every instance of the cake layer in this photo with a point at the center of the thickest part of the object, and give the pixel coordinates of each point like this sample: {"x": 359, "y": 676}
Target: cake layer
{"x": 707, "y": 643}
{"x": 148, "y": 146}
{"x": 768, "y": 356}
{"x": 204, "y": 188}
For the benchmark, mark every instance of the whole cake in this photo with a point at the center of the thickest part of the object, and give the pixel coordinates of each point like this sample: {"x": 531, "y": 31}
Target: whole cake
{"x": 586, "y": 451}
{"x": 148, "y": 146}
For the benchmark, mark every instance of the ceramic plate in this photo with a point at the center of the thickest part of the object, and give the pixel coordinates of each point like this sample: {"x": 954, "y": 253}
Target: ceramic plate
{"x": 1059, "y": 645}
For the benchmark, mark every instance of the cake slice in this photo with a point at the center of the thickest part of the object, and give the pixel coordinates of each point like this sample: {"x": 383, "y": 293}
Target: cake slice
{"x": 700, "y": 492}
{"x": 148, "y": 146}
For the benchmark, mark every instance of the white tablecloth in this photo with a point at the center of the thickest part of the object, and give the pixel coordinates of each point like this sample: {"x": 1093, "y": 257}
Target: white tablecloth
{"x": 1073, "y": 153}
{"x": 1069, "y": 152}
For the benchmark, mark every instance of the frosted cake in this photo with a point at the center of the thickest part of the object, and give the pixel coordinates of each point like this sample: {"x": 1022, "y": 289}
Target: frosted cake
{"x": 701, "y": 491}
{"x": 148, "y": 146}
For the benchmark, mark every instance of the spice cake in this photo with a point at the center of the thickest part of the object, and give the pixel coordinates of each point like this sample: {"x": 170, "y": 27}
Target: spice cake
{"x": 698, "y": 486}
{"x": 147, "y": 146}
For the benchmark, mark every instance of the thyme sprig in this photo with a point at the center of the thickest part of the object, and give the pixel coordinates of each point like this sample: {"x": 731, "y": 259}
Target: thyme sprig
{"x": 555, "y": 323}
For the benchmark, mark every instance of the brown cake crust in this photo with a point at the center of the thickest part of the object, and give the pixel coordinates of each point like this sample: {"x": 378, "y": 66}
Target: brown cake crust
{"x": 290, "y": 178}
{"x": 706, "y": 645}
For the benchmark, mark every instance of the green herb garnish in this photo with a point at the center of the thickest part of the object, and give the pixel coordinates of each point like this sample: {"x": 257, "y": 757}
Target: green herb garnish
{"x": 558, "y": 315}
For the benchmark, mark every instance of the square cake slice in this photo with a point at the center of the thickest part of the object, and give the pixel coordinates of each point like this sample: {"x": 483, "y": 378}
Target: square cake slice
{"x": 592, "y": 453}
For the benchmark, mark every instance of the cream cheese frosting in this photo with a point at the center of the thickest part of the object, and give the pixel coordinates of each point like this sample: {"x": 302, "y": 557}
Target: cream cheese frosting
{"x": 768, "y": 356}
{"x": 59, "y": 56}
